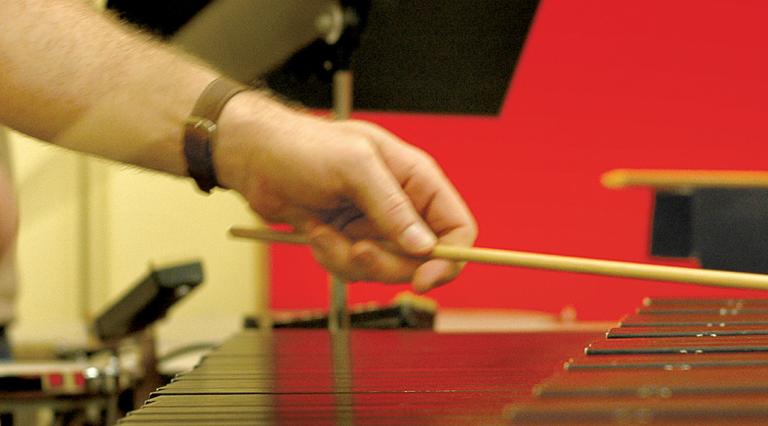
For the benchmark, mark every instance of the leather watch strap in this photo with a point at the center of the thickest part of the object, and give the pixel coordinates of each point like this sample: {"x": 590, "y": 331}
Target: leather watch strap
{"x": 200, "y": 131}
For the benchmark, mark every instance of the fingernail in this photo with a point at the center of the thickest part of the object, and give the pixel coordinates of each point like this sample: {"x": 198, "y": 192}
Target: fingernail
{"x": 417, "y": 237}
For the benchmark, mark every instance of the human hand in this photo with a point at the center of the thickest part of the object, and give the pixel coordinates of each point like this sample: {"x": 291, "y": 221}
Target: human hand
{"x": 345, "y": 184}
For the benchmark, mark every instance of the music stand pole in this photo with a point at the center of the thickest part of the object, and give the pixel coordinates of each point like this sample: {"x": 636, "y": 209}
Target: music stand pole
{"x": 338, "y": 318}
{"x": 348, "y": 40}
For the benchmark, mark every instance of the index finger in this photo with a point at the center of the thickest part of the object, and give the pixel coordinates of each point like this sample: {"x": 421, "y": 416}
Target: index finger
{"x": 442, "y": 208}
{"x": 430, "y": 191}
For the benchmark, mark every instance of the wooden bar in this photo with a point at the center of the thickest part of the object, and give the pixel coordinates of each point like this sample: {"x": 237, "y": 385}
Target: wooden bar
{"x": 693, "y": 320}
{"x": 703, "y": 310}
{"x": 586, "y": 362}
{"x": 659, "y": 375}
{"x": 656, "y": 383}
{"x": 664, "y": 302}
{"x": 720, "y": 410}
{"x": 686, "y": 331}
{"x": 392, "y": 377}
{"x": 682, "y": 345}
{"x": 675, "y": 362}
{"x": 684, "y": 179}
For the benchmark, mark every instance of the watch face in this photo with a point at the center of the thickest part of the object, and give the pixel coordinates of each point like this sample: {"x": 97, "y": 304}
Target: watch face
{"x": 198, "y": 135}
{"x": 202, "y": 127}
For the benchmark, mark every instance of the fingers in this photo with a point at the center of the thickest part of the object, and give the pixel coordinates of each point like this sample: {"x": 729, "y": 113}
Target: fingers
{"x": 365, "y": 184}
{"x": 431, "y": 193}
{"x": 454, "y": 226}
{"x": 384, "y": 266}
{"x": 379, "y": 195}
{"x": 332, "y": 250}
{"x": 372, "y": 263}
{"x": 434, "y": 273}
{"x": 434, "y": 198}
{"x": 362, "y": 260}
{"x": 365, "y": 260}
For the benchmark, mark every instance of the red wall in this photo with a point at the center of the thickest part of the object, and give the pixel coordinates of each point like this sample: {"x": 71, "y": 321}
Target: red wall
{"x": 601, "y": 84}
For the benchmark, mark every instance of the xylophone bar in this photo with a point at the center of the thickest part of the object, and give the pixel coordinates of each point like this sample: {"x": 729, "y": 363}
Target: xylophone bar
{"x": 703, "y": 303}
{"x": 683, "y": 345}
{"x": 382, "y": 377}
{"x": 686, "y": 331}
{"x": 693, "y": 319}
{"x": 716, "y": 410}
{"x": 666, "y": 361}
{"x": 689, "y": 367}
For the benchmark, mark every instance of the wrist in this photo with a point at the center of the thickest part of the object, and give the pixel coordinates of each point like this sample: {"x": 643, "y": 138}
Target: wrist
{"x": 201, "y": 128}
{"x": 245, "y": 127}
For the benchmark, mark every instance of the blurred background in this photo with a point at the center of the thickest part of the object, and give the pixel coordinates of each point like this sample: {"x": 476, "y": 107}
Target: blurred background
{"x": 598, "y": 85}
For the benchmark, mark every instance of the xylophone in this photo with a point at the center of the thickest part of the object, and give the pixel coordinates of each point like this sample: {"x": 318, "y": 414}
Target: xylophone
{"x": 382, "y": 377}
{"x": 674, "y": 362}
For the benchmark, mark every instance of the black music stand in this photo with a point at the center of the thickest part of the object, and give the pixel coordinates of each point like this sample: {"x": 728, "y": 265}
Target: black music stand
{"x": 436, "y": 56}
{"x": 724, "y": 228}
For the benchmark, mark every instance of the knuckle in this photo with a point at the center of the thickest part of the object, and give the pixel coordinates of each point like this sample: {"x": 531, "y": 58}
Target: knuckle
{"x": 422, "y": 157}
{"x": 361, "y": 151}
{"x": 362, "y": 127}
{"x": 473, "y": 230}
{"x": 429, "y": 161}
{"x": 424, "y": 164}
{"x": 396, "y": 205}
{"x": 357, "y": 154}
{"x": 466, "y": 235}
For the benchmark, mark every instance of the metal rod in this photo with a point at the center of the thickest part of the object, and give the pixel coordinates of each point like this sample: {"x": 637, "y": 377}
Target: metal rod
{"x": 338, "y": 319}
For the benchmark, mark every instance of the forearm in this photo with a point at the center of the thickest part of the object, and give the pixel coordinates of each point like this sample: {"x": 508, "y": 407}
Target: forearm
{"x": 75, "y": 78}
{"x": 71, "y": 76}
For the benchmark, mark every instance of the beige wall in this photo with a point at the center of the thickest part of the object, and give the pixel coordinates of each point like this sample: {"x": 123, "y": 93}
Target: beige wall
{"x": 89, "y": 229}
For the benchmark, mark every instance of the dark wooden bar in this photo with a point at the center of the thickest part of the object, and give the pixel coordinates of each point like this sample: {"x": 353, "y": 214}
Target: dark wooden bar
{"x": 720, "y": 410}
{"x": 686, "y": 331}
{"x": 682, "y": 345}
{"x": 386, "y": 377}
{"x": 667, "y": 361}
{"x": 685, "y": 320}
{"x": 673, "y": 362}
{"x": 656, "y": 383}
{"x": 704, "y": 302}
{"x": 685, "y": 368}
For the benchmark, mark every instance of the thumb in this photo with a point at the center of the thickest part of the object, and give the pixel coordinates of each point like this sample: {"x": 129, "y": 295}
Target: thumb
{"x": 379, "y": 195}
